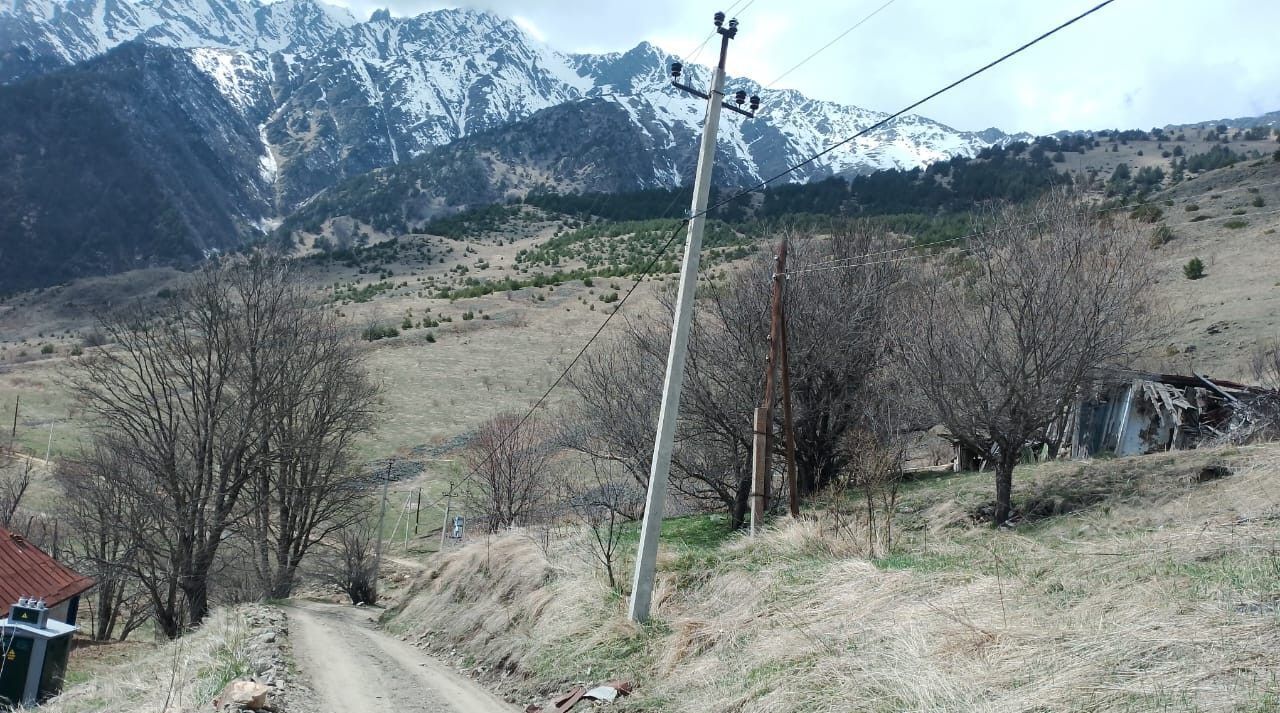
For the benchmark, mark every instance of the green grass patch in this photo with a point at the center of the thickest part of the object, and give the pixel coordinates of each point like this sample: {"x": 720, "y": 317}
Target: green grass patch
{"x": 702, "y": 532}
{"x": 923, "y": 562}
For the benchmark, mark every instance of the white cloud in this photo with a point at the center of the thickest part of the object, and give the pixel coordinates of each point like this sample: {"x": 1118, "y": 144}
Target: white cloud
{"x": 531, "y": 29}
{"x": 1133, "y": 64}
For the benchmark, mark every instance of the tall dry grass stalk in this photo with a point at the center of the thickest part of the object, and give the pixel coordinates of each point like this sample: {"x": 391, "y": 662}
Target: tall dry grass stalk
{"x": 182, "y": 675}
{"x": 1166, "y": 599}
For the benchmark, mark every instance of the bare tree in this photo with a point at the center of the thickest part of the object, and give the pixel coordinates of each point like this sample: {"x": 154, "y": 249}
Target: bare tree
{"x": 351, "y": 564}
{"x": 875, "y": 453}
{"x": 306, "y": 487}
{"x": 838, "y": 326}
{"x": 604, "y": 502}
{"x": 191, "y": 395}
{"x": 1266, "y": 364}
{"x": 96, "y": 511}
{"x": 15, "y": 478}
{"x": 510, "y": 461}
{"x": 1000, "y": 344}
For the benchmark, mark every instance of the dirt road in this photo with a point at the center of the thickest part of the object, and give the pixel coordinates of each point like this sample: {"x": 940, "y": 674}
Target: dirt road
{"x": 354, "y": 668}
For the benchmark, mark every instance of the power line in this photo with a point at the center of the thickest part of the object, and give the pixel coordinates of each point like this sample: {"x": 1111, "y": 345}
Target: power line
{"x": 823, "y": 48}
{"x": 908, "y": 108}
{"x": 658, "y": 256}
{"x": 825, "y": 267}
{"x": 993, "y": 231}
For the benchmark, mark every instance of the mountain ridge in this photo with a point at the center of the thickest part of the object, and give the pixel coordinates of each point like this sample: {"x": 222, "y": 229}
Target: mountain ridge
{"x": 307, "y": 97}
{"x": 404, "y": 97}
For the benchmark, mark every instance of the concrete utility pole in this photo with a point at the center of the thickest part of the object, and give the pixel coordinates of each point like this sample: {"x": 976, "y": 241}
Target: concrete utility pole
{"x": 382, "y": 516}
{"x": 660, "y": 466}
{"x": 448, "y": 503}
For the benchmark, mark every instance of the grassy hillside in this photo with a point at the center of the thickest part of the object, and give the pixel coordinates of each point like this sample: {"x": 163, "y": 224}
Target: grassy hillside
{"x": 500, "y": 307}
{"x": 1132, "y": 585}
{"x": 182, "y": 675}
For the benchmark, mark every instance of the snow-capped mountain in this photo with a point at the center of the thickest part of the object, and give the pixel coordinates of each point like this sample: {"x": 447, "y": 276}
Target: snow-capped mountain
{"x": 327, "y": 98}
{"x": 338, "y": 97}
{"x": 789, "y": 128}
{"x": 71, "y": 31}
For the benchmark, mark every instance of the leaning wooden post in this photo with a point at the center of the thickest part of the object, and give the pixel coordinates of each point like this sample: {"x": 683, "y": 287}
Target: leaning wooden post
{"x": 763, "y": 421}
{"x": 788, "y": 426}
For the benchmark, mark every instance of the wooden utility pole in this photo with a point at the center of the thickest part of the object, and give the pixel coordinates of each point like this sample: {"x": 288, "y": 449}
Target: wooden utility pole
{"x": 788, "y": 423}
{"x": 13, "y": 434}
{"x": 417, "y": 513}
{"x": 763, "y": 420}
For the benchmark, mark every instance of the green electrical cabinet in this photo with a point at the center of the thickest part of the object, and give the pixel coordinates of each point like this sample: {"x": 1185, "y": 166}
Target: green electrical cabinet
{"x": 33, "y": 654}
{"x": 15, "y": 662}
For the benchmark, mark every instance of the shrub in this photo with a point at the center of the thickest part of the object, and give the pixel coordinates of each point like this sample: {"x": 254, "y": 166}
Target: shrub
{"x": 430, "y": 338}
{"x": 1161, "y": 235}
{"x": 611, "y": 297}
{"x": 1192, "y": 207}
{"x": 1194, "y": 270}
{"x": 1236, "y": 224}
{"x": 76, "y": 350}
{"x": 1276, "y": 156}
{"x": 407, "y": 323}
{"x": 1147, "y": 213}
{"x": 1258, "y": 202}
{"x": 1058, "y": 157}
{"x": 46, "y": 349}
{"x": 374, "y": 332}
{"x": 468, "y": 316}
{"x": 1201, "y": 217}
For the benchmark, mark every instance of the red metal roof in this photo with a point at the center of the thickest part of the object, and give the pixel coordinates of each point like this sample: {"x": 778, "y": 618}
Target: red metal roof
{"x": 26, "y": 571}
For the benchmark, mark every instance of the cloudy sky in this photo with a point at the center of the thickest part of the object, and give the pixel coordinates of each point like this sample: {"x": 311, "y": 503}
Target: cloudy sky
{"x": 1136, "y": 63}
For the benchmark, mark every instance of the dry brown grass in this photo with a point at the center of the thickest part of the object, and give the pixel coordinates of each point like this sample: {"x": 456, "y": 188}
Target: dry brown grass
{"x": 1164, "y": 596}
{"x": 180, "y": 676}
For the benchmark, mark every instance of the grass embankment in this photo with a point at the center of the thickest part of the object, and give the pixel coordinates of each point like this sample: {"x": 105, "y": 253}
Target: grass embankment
{"x": 1131, "y": 586}
{"x": 183, "y": 675}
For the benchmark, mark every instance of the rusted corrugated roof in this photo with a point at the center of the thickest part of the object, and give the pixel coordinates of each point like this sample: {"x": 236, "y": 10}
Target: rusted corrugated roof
{"x": 26, "y": 571}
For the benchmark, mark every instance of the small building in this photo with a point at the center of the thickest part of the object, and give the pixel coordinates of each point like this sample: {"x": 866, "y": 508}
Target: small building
{"x": 40, "y": 598}
{"x": 1128, "y": 413}
{"x": 27, "y": 571}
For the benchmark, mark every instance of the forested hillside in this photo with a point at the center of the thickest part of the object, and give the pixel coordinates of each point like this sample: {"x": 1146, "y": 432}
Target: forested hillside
{"x": 130, "y": 160}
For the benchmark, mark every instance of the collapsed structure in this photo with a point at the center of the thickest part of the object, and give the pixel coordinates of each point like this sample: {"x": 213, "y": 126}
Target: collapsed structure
{"x": 1130, "y": 413}
{"x": 1126, "y": 413}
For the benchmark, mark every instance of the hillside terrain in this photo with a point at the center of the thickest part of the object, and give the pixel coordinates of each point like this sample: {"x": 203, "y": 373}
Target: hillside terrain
{"x": 466, "y": 327}
{"x": 1140, "y": 584}
{"x": 130, "y": 160}
{"x": 365, "y": 320}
